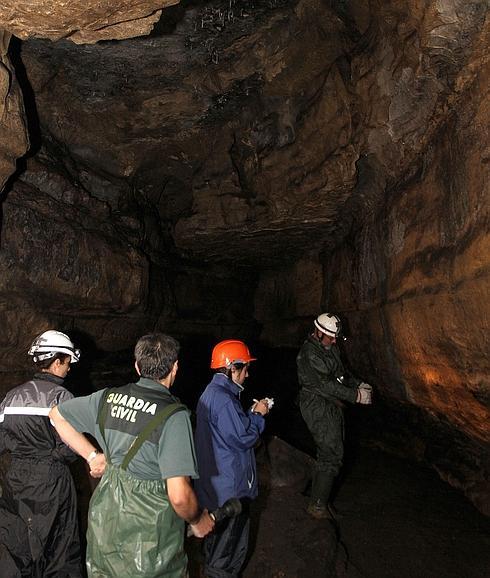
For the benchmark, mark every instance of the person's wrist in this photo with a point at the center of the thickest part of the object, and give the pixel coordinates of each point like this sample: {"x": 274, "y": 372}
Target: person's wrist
{"x": 92, "y": 455}
{"x": 196, "y": 519}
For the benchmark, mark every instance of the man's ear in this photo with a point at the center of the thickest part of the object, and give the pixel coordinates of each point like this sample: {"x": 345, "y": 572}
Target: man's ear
{"x": 175, "y": 367}
{"x": 137, "y": 368}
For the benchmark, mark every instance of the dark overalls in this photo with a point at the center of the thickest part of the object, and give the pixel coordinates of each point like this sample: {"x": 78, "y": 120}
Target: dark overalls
{"x": 39, "y": 480}
{"x": 324, "y": 388}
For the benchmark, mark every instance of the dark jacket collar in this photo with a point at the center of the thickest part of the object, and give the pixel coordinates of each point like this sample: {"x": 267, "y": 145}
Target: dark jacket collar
{"x": 333, "y": 348}
{"x": 46, "y": 376}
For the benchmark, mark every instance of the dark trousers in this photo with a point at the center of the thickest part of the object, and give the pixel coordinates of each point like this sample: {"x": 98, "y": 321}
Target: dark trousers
{"x": 45, "y": 498}
{"x": 225, "y": 549}
{"x": 326, "y": 423}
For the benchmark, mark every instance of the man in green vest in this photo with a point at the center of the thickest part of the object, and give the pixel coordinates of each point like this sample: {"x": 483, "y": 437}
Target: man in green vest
{"x": 325, "y": 387}
{"x": 139, "y": 509}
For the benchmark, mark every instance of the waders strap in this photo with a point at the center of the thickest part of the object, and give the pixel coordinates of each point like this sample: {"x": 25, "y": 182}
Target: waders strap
{"x": 101, "y": 417}
{"x": 160, "y": 418}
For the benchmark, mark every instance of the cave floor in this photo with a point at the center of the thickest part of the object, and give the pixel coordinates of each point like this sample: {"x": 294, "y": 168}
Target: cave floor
{"x": 399, "y": 520}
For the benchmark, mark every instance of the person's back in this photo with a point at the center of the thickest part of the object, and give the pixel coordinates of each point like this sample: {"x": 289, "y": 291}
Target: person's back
{"x": 138, "y": 510}
{"x": 131, "y": 504}
{"x": 24, "y": 417}
{"x": 38, "y": 479}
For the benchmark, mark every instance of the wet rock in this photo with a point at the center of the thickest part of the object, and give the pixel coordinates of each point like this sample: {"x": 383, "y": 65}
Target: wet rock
{"x": 283, "y": 466}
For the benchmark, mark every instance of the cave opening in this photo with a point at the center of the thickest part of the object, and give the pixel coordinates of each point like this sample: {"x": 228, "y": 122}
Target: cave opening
{"x": 231, "y": 169}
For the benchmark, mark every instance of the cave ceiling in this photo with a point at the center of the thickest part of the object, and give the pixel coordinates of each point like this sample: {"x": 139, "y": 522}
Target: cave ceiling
{"x": 247, "y": 132}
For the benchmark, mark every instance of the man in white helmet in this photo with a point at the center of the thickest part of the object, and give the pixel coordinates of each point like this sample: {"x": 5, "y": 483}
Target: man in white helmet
{"x": 38, "y": 481}
{"x": 325, "y": 387}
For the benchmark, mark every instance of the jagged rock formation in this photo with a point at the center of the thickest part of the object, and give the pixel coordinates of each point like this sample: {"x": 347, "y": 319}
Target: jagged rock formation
{"x": 246, "y": 165}
{"x": 14, "y": 141}
{"x": 82, "y": 22}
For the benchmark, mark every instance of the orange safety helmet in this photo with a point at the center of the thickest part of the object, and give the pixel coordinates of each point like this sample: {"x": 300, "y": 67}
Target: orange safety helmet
{"x": 230, "y": 351}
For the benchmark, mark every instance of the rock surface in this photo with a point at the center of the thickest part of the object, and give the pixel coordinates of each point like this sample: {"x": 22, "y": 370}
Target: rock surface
{"x": 82, "y": 22}
{"x": 414, "y": 290}
{"x": 14, "y": 140}
{"x": 230, "y": 174}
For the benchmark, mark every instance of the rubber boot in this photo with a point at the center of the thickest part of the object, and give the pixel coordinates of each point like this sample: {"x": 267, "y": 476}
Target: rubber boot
{"x": 320, "y": 492}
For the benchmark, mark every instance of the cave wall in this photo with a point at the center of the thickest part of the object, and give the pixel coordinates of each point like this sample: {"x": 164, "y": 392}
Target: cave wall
{"x": 69, "y": 262}
{"x": 414, "y": 282}
{"x": 13, "y": 130}
{"x": 169, "y": 167}
{"x": 411, "y": 279}
{"x": 411, "y": 282}
{"x": 83, "y": 22}
{"x": 230, "y": 174}
{"x": 64, "y": 266}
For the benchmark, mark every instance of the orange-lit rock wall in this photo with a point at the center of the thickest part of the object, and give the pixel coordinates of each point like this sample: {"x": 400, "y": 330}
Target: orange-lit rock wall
{"x": 413, "y": 282}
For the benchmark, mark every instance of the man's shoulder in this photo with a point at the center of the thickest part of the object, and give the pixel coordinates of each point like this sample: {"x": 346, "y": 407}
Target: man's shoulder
{"x": 77, "y": 402}
{"x": 217, "y": 392}
{"x": 311, "y": 347}
{"x": 35, "y": 392}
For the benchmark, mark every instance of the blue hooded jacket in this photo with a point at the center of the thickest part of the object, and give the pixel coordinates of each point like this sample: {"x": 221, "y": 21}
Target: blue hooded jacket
{"x": 225, "y": 439}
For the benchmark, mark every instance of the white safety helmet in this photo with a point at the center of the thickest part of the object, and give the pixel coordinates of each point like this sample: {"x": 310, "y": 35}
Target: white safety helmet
{"x": 329, "y": 324}
{"x": 46, "y": 345}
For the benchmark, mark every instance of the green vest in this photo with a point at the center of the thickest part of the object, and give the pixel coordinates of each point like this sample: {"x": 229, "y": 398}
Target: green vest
{"x": 133, "y": 531}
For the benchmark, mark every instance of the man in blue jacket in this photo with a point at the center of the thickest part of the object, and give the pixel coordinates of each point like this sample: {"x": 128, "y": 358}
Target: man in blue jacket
{"x": 225, "y": 440}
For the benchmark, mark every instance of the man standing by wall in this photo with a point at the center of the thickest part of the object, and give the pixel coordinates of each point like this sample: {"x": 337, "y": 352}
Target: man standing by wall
{"x": 225, "y": 439}
{"x": 137, "y": 512}
{"x": 325, "y": 386}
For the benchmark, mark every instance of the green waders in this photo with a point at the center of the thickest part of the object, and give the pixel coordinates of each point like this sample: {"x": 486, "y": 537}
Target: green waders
{"x": 133, "y": 530}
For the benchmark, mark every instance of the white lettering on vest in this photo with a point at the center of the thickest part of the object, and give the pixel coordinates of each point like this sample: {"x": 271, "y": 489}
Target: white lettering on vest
{"x": 127, "y": 407}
